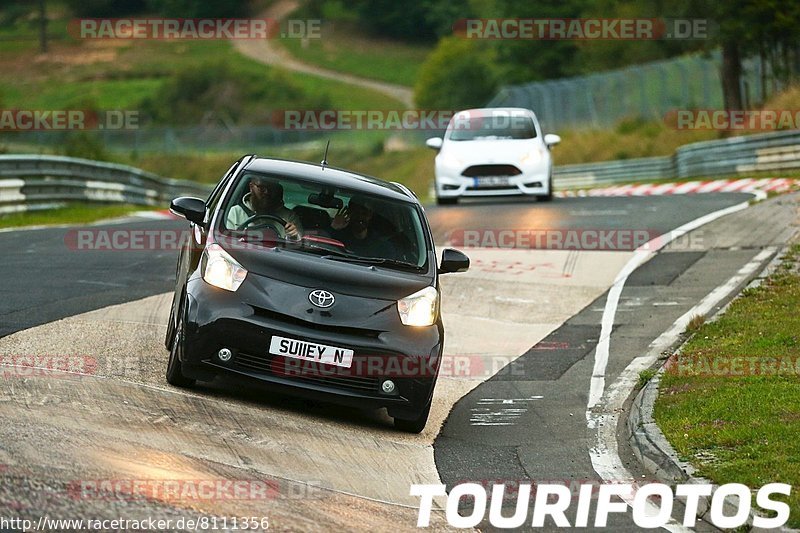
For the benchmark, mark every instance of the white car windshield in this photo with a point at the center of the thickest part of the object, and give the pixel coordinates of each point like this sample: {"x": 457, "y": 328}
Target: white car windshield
{"x": 491, "y": 128}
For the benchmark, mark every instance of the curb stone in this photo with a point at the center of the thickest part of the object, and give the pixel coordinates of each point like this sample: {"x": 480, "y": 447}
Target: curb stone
{"x": 652, "y": 448}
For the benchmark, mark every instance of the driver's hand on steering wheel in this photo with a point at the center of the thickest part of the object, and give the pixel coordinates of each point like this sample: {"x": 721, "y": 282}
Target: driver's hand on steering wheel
{"x": 291, "y": 231}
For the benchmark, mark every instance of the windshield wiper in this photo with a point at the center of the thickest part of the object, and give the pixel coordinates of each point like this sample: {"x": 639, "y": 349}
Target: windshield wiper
{"x": 380, "y": 261}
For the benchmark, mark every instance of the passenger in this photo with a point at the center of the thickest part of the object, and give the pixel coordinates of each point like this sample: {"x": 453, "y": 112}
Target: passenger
{"x": 353, "y": 226}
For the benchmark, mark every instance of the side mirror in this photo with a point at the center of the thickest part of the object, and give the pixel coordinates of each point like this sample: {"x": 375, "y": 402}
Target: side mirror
{"x": 434, "y": 142}
{"x": 192, "y": 209}
{"x": 551, "y": 139}
{"x": 453, "y": 261}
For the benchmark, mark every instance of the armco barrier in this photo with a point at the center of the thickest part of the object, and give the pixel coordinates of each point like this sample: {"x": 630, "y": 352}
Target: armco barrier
{"x": 763, "y": 152}
{"x": 29, "y": 182}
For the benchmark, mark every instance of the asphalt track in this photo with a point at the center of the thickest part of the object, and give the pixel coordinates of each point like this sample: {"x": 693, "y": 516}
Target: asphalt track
{"x": 44, "y": 280}
{"x": 536, "y": 406}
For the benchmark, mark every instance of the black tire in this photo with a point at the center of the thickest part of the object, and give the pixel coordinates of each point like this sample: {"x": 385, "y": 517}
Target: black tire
{"x": 415, "y": 425}
{"x": 549, "y": 196}
{"x": 174, "y": 368}
{"x": 447, "y": 201}
{"x": 170, "y": 336}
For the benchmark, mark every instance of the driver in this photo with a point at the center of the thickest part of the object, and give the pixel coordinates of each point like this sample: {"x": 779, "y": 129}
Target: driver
{"x": 265, "y": 198}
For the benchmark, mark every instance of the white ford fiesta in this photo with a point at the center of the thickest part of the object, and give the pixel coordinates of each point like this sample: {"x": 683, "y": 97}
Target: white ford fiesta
{"x": 493, "y": 152}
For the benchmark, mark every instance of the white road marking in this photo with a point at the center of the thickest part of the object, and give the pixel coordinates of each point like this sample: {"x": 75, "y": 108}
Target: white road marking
{"x": 605, "y": 454}
{"x": 604, "y": 418}
{"x": 515, "y": 300}
{"x": 643, "y": 254}
{"x": 492, "y": 411}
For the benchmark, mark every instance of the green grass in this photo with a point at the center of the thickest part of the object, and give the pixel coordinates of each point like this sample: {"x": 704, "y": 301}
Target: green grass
{"x": 413, "y": 168}
{"x": 71, "y": 214}
{"x": 122, "y": 75}
{"x": 730, "y": 403}
{"x": 343, "y": 49}
{"x": 344, "y": 95}
{"x": 645, "y": 376}
{"x": 104, "y": 94}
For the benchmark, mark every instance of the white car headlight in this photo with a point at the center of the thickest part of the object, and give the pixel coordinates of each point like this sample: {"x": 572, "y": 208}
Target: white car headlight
{"x": 533, "y": 156}
{"x": 221, "y": 270}
{"x": 449, "y": 160}
{"x": 419, "y": 309}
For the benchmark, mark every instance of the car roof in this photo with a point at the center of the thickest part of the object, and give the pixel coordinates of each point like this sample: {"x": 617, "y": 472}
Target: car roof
{"x": 497, "y": 111}
{"x": 335, "y": 177}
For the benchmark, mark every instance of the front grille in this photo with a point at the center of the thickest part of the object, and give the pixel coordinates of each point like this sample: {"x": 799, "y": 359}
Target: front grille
{"x": 477, "y": 171}
{"x": 492, "y": 188}
{"x": 268, "y": 364}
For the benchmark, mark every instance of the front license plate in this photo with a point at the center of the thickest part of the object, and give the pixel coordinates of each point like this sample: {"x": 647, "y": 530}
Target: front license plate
{"x": 309, "y": 351}
{"x": 491, "y": 181}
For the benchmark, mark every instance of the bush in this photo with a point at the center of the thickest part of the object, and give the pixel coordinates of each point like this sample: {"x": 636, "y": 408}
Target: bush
{"x": 199, "y": 8}
{"x": 104, "y": 8}
{"x": 242, "y": 95}
{"x": 82, "y": 144}
{"x": 459, "y": 74}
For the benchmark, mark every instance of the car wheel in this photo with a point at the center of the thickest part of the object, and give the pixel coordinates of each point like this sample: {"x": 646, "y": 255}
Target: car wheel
{"x": 174, "y": 368}
{"x": 415, "y": 425}
{"x": 549, "y": 196}
{"x": 447, "y": 201}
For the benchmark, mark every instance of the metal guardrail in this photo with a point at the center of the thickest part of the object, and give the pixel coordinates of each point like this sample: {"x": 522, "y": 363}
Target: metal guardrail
{"x": 764, "y": 152}
{"x": 31, "y": 182}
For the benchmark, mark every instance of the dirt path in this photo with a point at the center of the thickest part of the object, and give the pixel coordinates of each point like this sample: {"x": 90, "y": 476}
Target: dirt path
{"x": 270, "y": 53}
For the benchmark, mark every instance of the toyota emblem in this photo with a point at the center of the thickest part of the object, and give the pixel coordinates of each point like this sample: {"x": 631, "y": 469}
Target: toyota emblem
{"x": 321, "y": 298}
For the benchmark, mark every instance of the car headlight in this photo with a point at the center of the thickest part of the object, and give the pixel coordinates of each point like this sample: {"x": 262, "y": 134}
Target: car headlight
{"x": 419, "y": 309}
{"x": 449, "y": 160}
{"x": 221, "y": 270}
{"x": 532, "y": 156}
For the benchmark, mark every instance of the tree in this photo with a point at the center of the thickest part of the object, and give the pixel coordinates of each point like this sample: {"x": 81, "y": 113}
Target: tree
{"x": 104, "y": 8}
{"x": 459, "y": 74}
{"x": 199, "y": 8}
{"x": 42, "y": 27}
{"x": 746, "y": 28}
{"x": 420, "y": 20}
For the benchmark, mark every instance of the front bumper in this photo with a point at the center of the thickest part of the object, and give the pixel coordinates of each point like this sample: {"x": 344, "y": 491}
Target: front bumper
{"x": 217, "y": 319}
{"x": 452, "y": 185}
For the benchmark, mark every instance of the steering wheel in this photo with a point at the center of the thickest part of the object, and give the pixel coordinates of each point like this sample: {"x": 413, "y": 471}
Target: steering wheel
{"x": 273, "y": 221}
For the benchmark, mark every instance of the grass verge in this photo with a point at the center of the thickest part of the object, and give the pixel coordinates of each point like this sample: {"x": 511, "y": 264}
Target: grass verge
{"x": 72, "y": 214}
{"x": 730, "y": 402}
{"x": 343, "y": 49}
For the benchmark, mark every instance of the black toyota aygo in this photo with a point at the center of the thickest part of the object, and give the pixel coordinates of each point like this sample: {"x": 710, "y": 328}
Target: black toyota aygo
{"x": 317, "y": 281}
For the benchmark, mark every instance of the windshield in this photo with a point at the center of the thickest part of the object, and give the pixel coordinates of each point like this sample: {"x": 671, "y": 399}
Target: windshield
{"x": 491, "y": 128}
{"x": 331, "y": 222}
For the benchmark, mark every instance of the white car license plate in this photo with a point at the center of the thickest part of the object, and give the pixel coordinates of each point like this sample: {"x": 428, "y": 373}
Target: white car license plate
{"x": 309, "y": 351}
{"x": 490, "y": 181}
